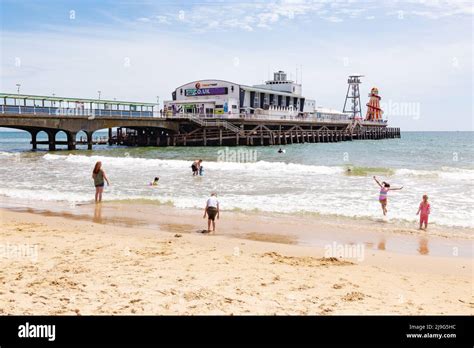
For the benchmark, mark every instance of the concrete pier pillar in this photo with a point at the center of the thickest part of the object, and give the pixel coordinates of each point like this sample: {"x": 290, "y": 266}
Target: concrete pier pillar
{"x": 34, "y": 134}
{"x": 71, "y": 140}
{"x": 52, "y": 139}
{"x": 220, "y": 136}
{"x": 89, "y": 140}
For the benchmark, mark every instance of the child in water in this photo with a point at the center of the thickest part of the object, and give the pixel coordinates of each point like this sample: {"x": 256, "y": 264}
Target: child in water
{"x": 424, "y": 209}
{"x": 155, "y": 182}
{"x": 383, "y": 199}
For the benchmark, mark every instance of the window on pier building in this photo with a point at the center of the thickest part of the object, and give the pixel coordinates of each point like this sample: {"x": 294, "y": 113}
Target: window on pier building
{"x": 262, "y": 100}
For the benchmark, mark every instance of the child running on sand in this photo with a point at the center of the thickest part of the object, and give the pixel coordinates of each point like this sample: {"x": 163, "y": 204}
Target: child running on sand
{"x": 212, "y": 210}
{"x": 384, "y": 188}
{"x": 424, "y": 209}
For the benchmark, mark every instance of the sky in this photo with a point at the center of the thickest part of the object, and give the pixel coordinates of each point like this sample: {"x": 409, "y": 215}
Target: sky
{"x": 418, "y": 53}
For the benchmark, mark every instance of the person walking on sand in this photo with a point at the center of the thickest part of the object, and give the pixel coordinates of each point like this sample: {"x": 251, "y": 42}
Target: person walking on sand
{"x": 99, "y": 176}
{"x": 383, "y": 196}
{"x": 212, "y": 211}
{"x": 425, "y": 210}
{"x": 196, "y": 166}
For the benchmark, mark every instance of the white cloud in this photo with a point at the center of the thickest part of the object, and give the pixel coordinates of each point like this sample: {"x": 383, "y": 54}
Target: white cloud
{"x": 247, "y": 15}
{"x": 333, "y": 19}
{"x": 163, "y": 20}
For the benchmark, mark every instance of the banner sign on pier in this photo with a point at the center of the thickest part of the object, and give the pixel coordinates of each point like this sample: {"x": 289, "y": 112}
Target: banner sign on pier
{"x": 205, "y": 91}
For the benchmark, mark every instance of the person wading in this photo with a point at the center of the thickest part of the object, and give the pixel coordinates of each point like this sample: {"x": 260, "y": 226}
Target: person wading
{"x": 99, "y": 177}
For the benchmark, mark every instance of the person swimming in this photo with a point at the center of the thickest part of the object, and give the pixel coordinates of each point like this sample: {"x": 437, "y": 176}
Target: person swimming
{"x": 281, "y": 150}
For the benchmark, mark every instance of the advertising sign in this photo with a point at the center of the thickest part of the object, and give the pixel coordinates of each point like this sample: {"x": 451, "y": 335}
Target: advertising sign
{"x": 205, "y": 91}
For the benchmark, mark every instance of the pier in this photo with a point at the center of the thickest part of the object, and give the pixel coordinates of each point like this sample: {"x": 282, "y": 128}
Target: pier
{"x": 141, "y": 124}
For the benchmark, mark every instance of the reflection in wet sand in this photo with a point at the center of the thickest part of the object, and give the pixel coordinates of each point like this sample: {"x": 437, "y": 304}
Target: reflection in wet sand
{"x": 98, "y": 214}
{"x": 381, "y": 245}
{"x": 423, "y": 246}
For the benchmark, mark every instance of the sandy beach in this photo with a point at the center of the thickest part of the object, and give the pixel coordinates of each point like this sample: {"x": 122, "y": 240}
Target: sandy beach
{"x": 111, "y": 260}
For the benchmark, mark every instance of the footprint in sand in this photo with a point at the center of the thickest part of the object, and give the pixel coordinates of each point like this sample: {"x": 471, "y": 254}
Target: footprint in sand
{"x": 353, "y": 296}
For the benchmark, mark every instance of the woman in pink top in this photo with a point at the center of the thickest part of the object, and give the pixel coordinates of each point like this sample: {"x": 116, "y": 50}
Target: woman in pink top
{"x": 424, "y": 209}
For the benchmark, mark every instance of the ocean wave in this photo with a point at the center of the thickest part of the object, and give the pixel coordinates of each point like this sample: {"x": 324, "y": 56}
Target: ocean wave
{"x": 288, "y": 204}
{"x": 444, "y": 173}
{"x": 263, "y": 166}
{"x": 8, "y": 154}
{"x": 449, "y": 173}
{"x": 45, "y": 195}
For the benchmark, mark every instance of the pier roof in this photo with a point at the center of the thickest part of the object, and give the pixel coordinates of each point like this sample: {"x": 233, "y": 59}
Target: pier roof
{"x": 69, "y": 99}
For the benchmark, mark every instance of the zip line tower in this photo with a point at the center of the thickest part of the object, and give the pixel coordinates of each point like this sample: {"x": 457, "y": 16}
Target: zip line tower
{"x": 352, "y": 103}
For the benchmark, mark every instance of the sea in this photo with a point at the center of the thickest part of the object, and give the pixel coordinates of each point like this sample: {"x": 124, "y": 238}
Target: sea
{"x": 334, "y": 179}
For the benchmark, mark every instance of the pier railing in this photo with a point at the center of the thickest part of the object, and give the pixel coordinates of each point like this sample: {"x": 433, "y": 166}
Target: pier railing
{"x": 201, "y": 119}
{"x": 61, "y": 111}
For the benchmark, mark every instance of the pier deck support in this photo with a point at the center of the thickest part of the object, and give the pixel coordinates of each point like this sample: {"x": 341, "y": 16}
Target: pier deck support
{"x": 89, "y": 140}
{"x": 71, "y": 140}
{"x": 52, "y": 139}
{"x": 34, "y": 134}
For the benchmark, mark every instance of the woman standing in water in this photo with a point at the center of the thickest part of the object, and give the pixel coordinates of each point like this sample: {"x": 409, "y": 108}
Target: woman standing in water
{"x": 99, "y": 176}
{"x": 384, "y": 188}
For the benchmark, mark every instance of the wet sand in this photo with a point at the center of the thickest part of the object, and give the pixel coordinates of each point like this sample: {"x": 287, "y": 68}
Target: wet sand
{"x": 99, "y": 260}
{"x": 311, "y": 230}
